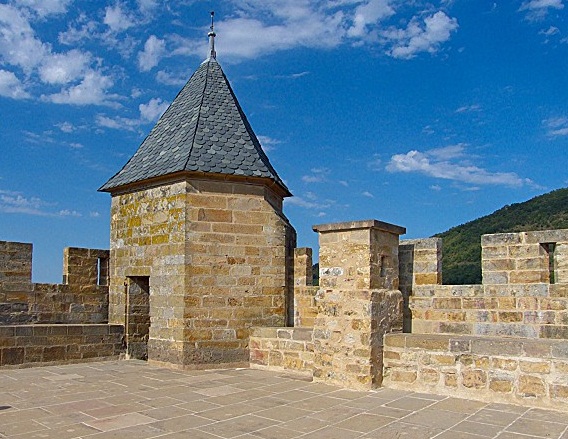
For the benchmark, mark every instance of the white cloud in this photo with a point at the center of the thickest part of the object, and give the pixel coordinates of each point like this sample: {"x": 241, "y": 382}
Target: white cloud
{"x": 436, "y": 187}
{"x": 552, "y": 30}
{"x": 118, "y": 123}
{"x": 318, "y": 175}
{"x": 63, "y": 68}
{"x": 434, "y": 164}
{"x": 18, "y": 43}
{"x": 267, "y": 26}
{"x": 538, "y": 9}
{"x": 369, "y": 13}
{"x": 154, "y": 50}
{"x": 67, "y": 212}
{"x": 94, "y": 214}
{"x": 81, "y": 29}
{"x": 147, "y": 6}
{"x": 11, "y": 87}
{"x": 541, "y": 4}
{"x": 469, "y": 108}
{"x": 45, "y": 7}
{"x": 167, "y": 78}
{"x": 367, "y": 194}
{"x": 556, "y": 126}
{"x": 420, "y": 37}
{"x": 117, "y": 19}
{"x": 308, "y": 204}
{"x": 448, "y": 152}
{"x": 268, "y": 143}
{"x": 15, "y": 202}
{"x": 152, "y": 111}
{"x": 66, "y": 127}
{"x": 91, "y": 91}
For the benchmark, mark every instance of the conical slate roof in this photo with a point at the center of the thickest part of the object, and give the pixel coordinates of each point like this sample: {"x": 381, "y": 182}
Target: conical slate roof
{"x": 203, "y": 130}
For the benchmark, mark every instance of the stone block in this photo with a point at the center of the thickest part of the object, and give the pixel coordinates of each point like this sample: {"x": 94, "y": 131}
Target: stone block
{"x": 451, "y": 379}
{"x": 402, "y": 375}
{"x": 559, "y": 391}
{"x": 428, "y": 342}
{"x": 510, "y": 316}
{"x": 447, "y": 303}
{"x": 531, "y": 386}
{"x": 496, "y": 278}
{"x": 554, "y": 331}
{"x": 542, "y": 367}
{"x": 474, "y": 378}
{"x": 12, "y": 356}
{"x": 559, "y": 349}
{"x": 394, "y": 340}
{"x": 508, "y": 364}
{"x": 482, "y": 346}
{"x": 501, "y": 383}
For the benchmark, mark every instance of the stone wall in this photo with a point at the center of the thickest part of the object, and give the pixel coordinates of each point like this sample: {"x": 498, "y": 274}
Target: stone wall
{"x": 504, "y": 341}
{"x": 524, "y": 291}
{"x": 508, "y": 370}
{"x": 522, "y": 310}
{"x": 22, "y": 345}
{"x": 81, "y": 298}
{"x": 283, "y": 349}
{"x": 525, "y": 258}
{"x": 356, "y": 304}
{"x": 219, "y": 258}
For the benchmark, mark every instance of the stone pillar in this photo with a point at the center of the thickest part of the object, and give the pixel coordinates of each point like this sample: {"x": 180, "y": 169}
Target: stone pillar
{"x": 420, "y": 263}
{"x": 358, "y": 301}
{"x": 303, "y": 275}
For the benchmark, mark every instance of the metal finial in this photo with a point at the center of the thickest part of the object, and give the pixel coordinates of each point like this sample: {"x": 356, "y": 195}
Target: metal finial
{"x": 212, "y": 35}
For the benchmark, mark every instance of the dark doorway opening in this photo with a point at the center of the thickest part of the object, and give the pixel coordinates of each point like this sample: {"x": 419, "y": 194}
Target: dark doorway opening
{"x": 138, "y": 317}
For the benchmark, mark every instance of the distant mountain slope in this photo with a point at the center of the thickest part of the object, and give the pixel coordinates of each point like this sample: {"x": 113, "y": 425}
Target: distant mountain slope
{"x": 461, "y": 263}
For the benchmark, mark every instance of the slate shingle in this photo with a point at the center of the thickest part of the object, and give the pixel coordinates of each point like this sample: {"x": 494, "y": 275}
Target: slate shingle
{"x": 203, "y": 130}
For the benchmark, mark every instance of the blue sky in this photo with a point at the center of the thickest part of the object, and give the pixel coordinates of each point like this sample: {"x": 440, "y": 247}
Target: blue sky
{"x": 426, "y": 114}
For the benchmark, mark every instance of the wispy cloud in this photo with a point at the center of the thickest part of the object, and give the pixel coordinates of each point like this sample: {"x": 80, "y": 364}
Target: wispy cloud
{"x": 556, "y": 126}
{"x": 452, "y": 163}
{"x": 168, "y": 78}
{"x": 367, "y": 194}
{"x": 308, "y": 204}
{"x": 149, "y": 112}
{"x": 66, "y": 127}
{"x": 268, "y": 143}
{"x": 538, "y": 9}
{"x": 11, "y": 87}
{"x": 17, "y": 203}
{"x": 469, "y": 108}
{"x": 293, "y": 75}
{"x": 318, "y": 175}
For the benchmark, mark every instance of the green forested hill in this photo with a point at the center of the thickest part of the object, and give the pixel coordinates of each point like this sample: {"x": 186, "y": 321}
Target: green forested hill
{"x": 461, "y": 262}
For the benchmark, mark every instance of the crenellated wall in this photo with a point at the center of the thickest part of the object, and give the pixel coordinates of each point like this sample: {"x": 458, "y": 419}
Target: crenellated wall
{"x": 504, "y": 340}
{"x": 81, "y": 298}
{"x": 341, "y": 324}
{"x": 524, "y": 291}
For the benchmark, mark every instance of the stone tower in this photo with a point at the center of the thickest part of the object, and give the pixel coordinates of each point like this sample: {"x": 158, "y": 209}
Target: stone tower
{"x": 200, "y": 248}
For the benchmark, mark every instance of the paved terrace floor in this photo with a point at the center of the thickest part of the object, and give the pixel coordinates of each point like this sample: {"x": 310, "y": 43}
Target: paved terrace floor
{"x": 130, "y": 399}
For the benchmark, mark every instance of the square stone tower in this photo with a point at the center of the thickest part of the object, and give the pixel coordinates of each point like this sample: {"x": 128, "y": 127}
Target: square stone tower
{"x": 200, "y": 248}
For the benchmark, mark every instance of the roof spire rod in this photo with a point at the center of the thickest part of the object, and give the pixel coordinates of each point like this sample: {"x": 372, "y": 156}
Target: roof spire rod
{"x": 212, "y": 35}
